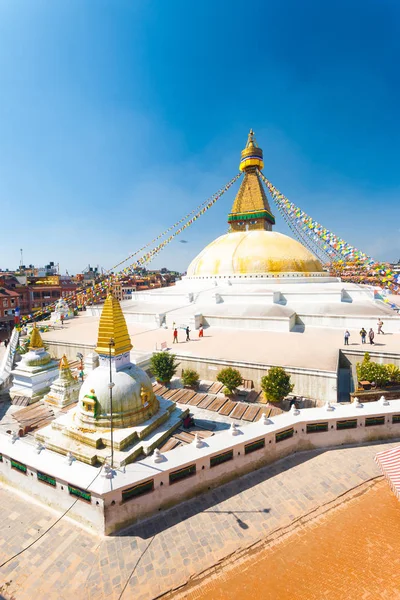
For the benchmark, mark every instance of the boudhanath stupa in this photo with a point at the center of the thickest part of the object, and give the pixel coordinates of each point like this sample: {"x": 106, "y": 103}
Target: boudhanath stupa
{"x": 256, "y": 278}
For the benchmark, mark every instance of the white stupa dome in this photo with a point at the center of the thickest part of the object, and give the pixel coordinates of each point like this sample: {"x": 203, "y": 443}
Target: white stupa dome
{"x": 254, "y": 252}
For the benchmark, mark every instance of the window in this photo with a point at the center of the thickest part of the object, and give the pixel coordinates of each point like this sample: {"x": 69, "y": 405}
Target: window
{"x": 182, "y": 473}
{"x": 82, "y": 494}
{"x": 370, "y": 421}
{"x": 253, "y": 446}
{"x": 138, "y": 490}
{"x": 348, "y": 424}
{"x": 396, "y": 419}
{"x": 284, "y": 435}
{"x": 18, "y": 466}
{"x": 46, "y": 478}
{"x": 5, "y": 302}
{"x": 317, "y": 427}
{"x": 221, "y": 458}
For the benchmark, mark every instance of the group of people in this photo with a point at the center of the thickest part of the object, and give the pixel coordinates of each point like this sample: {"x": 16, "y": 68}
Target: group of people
{"x": 187, "y": 331}
{"x": 363, "y": 334}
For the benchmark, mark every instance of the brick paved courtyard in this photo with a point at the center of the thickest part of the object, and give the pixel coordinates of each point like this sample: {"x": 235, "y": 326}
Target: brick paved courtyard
{"x": 163, "y": 553}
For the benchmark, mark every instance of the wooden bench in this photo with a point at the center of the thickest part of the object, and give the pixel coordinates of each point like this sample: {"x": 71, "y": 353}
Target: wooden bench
{"x": 239, "y": 410}
{"x": 197, "y": 398}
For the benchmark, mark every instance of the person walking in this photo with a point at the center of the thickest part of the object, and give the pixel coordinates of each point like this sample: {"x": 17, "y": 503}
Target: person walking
{"x": 380, "y": 324}
{"x": 187, "y": 334}
{"x": 201, "y": 331}
{"x": 6, "y": 343}
{"x": 346, "y": 337}
{"x": 175, "y": 336}
{"x": 363, "y": 334}
{"x": 371, "y": 336}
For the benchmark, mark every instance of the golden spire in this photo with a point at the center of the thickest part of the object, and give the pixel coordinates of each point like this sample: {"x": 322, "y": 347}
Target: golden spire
{"x": 64, "y": 363}
{"x": 250, "y": 208}
{"x": 36, "y": 339}
{"x": 112, "y": 326}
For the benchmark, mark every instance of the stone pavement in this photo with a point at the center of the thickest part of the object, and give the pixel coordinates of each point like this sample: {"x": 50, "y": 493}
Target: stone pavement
{"x": 164, "y": 552}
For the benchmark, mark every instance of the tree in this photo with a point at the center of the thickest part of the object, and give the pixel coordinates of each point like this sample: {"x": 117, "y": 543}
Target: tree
{"x": 163, "y": 366}
{"x": 190, "y": 378}
{"x": 231, "y": 378}
{"x": 276, "y": 385}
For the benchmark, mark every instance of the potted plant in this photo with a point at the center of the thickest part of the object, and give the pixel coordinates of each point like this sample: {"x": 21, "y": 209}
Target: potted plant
{"x": 190, "y": 378}
{"x": 163, "y": 366}
{"x": 276, "y": 384}
{"x": 231, "y": 378}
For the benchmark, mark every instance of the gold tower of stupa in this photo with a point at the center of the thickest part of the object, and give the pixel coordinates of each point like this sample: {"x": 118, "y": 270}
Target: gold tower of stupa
{"x": 112, "y": 326}
{"x": 36, "y": 339}
{"x": 250, "y": 208}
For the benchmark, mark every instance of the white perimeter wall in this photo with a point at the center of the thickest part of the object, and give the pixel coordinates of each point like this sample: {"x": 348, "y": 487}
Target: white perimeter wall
{"x": 108, "y": 512}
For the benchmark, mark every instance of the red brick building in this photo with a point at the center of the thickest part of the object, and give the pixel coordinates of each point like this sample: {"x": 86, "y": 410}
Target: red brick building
{"x": 9, "y": 301}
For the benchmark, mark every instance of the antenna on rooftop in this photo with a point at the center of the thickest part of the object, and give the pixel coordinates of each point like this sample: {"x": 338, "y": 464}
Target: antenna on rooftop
{"x": 21, "y": 262}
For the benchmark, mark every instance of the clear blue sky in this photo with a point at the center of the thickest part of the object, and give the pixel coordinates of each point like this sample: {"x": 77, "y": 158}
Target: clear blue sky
{"x": 119, "y": 116}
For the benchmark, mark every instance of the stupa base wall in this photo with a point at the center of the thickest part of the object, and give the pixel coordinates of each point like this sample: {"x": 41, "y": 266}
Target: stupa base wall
{"x": 93, "y": 445}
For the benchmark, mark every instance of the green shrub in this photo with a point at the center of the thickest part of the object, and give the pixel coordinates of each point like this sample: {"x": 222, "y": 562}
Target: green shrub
{"x": 231, "y": 378}
{"x": 163, "y": 366}
{"x": 372, "y": 372}
{"x": 190, "y": 378}
{"x": 393, "y": 373}
{"x": 276, "y": 385}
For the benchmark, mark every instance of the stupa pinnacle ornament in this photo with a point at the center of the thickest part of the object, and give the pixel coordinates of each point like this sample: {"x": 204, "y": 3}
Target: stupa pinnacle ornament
{"x": 251, "y": 209}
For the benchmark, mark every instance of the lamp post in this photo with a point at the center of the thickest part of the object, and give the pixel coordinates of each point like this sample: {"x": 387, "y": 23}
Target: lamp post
{"x": 111, "y": 384}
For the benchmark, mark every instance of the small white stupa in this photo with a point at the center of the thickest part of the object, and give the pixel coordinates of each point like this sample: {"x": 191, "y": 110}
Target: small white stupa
{"x": 33, "y": 376}
{"x": 65, "y": 389}
{"x": 62, "y": 312}
{"x": 117, "y": 407}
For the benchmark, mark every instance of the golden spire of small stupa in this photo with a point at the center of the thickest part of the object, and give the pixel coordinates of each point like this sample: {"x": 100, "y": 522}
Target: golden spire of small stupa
{"x": 64, "y": 363}
{"x": 113, "y": 327}
{"x": 36, "y": 339}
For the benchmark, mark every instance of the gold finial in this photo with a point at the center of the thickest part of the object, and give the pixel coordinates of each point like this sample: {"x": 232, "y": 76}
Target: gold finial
{"x": 252, "y": 155}
{"x": 113, "y": 326}
{"x": 64, "y": 363}
{"x": 251, "y": 140}
{"x": 36, "y": 340}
